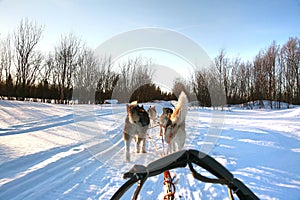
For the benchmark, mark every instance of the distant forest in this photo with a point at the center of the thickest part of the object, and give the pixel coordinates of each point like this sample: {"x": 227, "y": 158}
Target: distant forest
{"x": 72, "y": 71}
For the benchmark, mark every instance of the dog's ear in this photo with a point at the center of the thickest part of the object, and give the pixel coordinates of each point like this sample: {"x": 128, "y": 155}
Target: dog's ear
{"x": 134, "y": 103}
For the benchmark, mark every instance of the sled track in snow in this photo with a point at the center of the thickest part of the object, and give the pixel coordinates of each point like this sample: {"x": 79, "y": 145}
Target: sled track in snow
{"x": 44, "y": 176}
{"x": 74, "y": 164}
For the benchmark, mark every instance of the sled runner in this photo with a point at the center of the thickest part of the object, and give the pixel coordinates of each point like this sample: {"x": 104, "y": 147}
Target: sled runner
{"x": 180, "y": 159}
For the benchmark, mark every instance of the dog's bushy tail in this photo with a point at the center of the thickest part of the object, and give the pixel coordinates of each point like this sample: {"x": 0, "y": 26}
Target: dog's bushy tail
{"x": 181, "y": 109}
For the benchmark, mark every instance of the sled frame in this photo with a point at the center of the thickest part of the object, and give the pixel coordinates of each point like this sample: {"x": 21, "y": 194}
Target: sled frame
{"x": 140, "y": 173}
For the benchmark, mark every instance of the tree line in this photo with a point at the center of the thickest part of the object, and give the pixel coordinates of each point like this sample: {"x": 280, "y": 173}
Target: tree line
{"x": 26, "y": 73}
{"x": 273, "y": 75}
{"x": 72, "y": 71}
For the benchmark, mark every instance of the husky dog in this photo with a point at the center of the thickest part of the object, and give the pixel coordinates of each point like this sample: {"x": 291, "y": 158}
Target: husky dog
{"x": 164, "y": 120}
{"x": 175, "y": 127}
{"x": 136, "y": 126}
{"x": 152, "y": 115}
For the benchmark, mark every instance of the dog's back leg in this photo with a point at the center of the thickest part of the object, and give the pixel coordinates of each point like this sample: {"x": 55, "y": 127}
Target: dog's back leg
{"x": 180, "y": 138}
{"x": 171, "y": 147}
{"x": 169, "y": 139}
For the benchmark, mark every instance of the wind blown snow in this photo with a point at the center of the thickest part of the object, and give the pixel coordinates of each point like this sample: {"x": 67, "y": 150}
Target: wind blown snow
{"x": 50, "y": 151}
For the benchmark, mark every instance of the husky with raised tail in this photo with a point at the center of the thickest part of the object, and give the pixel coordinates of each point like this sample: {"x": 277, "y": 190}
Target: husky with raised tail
{"x": 136, "y": 126}
{"x": 175, "y": 130}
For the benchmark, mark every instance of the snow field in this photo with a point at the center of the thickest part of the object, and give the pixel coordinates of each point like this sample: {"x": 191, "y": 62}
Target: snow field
{"x": 52, "y": 151}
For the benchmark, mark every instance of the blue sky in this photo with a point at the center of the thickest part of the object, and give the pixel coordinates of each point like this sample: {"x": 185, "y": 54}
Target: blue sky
{"x": 242, "y": 28}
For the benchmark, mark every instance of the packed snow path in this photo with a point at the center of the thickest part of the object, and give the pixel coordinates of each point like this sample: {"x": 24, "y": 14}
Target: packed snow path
{"x": 61, "y": 152}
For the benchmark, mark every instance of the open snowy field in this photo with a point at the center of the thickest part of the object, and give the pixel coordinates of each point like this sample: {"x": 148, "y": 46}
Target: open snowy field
{"x": 52, "y": 151}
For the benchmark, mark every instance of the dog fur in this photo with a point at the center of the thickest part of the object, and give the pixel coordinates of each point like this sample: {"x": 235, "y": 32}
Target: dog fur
{"x": 152, "y": 115}
{"x": 164, "y": 120}
{"x": 136, "y": 126}
{"x": 175, "y": 127}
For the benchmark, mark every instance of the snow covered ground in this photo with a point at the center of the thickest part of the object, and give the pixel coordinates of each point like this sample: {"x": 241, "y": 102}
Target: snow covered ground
{"x": 52, "y": 151}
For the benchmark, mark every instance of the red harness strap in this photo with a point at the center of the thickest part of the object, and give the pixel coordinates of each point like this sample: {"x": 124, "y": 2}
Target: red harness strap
{"x": 168, "y": 182}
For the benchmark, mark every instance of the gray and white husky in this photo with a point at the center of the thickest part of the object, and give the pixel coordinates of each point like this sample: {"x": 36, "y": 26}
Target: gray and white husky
{"x": 136, "y": 126}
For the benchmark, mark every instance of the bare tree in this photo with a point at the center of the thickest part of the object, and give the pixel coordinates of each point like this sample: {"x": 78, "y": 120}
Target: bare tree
{"x": 218, "y": 80}
{"x": 222, "y": 67}
{"x": 5, "y": 58}
{"x": 241, "y": 83}
{"x": 86, "y": 76}
{"x": 234, "y": 79}
{"x": 107, "y": 80}
{"x": 260, "y": 81}
{"x": 271, "y": 57}
{"x": 180, "y": 85}
{"x": 280, "y": 86}
{"x": 248, "y": 81}
{"x": 134, "y": 73}
{"x": 66, "y": 59}
{"x": 200, "y": 87}
{"x": 26, "y": 37}
{"x": 44, "y": 78}
{"x": 290, "y": 54}
{"x": 46, "y": 71}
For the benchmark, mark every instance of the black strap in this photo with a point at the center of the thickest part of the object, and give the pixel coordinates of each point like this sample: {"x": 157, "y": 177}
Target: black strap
{"x": 121, "y": 191}
{"x": 242, "y": 191}
{"x": 206, "y": 179}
